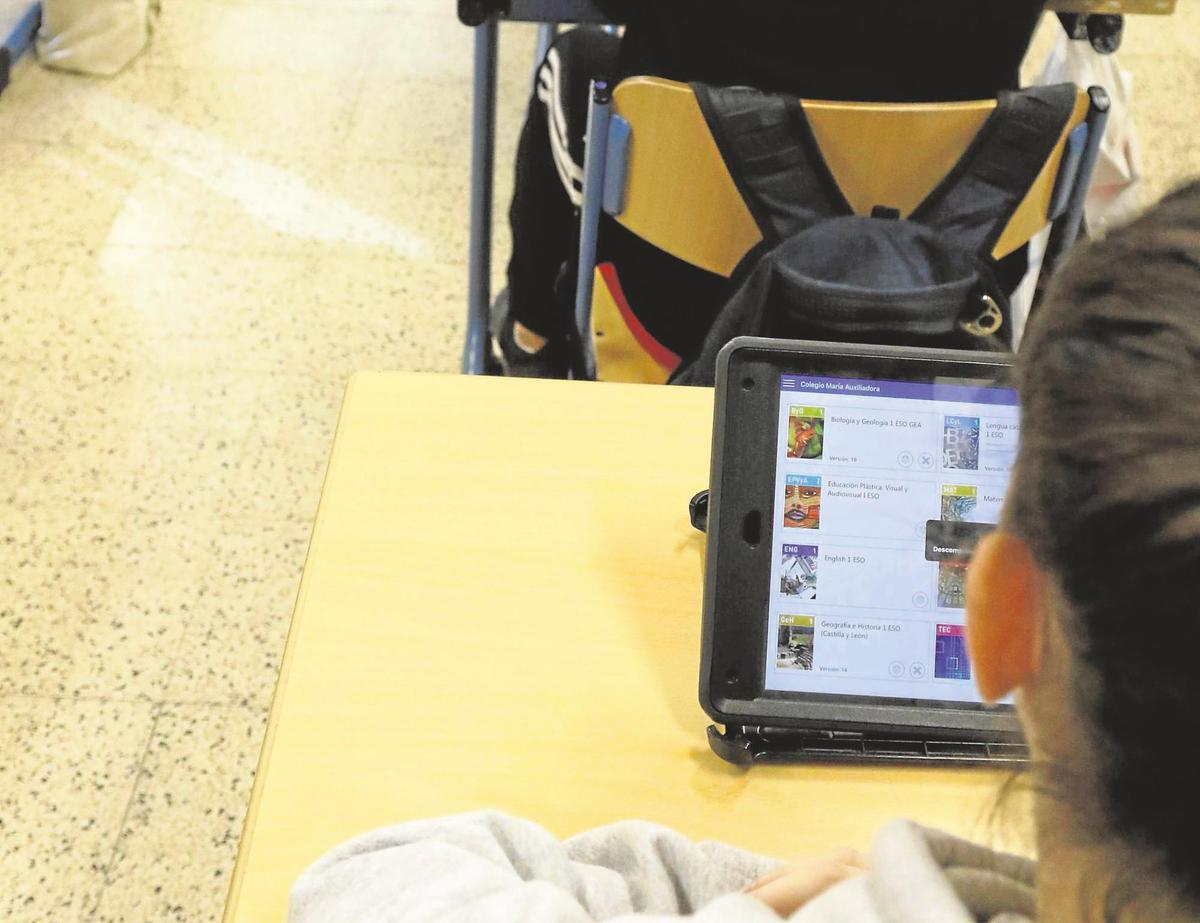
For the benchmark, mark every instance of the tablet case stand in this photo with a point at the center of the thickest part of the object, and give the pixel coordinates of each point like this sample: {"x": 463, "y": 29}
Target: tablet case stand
{"x": 745, "y": 745}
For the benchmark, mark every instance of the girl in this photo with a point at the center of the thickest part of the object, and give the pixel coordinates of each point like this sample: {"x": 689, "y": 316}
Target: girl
{"x": 1085, "y": 602}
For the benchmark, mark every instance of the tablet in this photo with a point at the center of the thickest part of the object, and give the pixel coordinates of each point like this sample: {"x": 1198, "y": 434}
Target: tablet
{"x": 849, "y": 485}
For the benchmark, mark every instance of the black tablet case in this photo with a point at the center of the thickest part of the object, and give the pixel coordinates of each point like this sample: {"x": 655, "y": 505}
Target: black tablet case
{"x": 796, "y": 731}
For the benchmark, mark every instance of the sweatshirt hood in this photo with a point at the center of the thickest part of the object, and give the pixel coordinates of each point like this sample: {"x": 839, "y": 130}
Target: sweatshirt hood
{"x": 918, "y": 875}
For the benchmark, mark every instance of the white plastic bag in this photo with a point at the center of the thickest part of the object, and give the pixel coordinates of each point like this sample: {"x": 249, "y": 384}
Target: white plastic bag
{"x": 94, "y": 36}
{"x": 1115, "y": 193}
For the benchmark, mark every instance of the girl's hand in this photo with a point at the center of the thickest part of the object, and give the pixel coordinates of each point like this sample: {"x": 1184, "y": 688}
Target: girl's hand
{"x": 789, "y": 888}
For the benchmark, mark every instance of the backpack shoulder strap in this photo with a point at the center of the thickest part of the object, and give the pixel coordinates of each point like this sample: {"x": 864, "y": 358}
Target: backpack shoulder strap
{"x": 977, "y": 199}
{"x": 773, "y": 157}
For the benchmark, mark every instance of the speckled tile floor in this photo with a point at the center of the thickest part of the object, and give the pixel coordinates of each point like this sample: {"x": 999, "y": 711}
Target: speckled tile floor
{"x": 195, "y": 255}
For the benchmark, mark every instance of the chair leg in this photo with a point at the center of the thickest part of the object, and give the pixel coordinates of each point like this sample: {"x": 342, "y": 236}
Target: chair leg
{"x": 479, "y": 254}
{"x": 599, "y": 114}
{"x": 1065, "y": 228}
{"x": 547, "y": 32}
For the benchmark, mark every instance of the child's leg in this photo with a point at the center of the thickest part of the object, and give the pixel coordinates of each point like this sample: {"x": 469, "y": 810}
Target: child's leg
{"x": 548, "y": 184}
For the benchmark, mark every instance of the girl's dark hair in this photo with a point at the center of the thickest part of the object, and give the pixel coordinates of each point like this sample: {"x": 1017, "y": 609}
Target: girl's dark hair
{"x": 1106, "y": 492}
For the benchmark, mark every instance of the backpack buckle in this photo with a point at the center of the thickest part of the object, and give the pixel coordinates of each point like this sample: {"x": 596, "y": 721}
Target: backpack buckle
{"x": 990, "y": 319}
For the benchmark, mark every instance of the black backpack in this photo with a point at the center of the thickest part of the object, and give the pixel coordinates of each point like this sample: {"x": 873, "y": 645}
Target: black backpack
{"x": 823, "y": 273}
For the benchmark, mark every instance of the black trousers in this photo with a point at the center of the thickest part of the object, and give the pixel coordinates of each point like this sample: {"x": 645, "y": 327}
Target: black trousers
{"x": 869, "y": 50}
{"x": 548, "y": 185}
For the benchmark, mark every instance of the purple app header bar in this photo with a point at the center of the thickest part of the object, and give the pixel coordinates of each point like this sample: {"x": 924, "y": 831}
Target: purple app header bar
{"x": 911, "y": 390}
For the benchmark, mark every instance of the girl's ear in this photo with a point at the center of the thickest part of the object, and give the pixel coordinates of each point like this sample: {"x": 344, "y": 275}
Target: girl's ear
{"x": 1004, "y": 615}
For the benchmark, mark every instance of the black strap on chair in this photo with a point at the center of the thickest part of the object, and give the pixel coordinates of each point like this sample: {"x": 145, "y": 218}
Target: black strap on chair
{"x": 775, "y": 161}
{"x": 773, "y": 157}
{"x": 978, "y": 197}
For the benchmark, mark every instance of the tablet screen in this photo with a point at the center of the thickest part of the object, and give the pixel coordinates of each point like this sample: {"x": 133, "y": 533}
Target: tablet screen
{"x": 882, "y": 489}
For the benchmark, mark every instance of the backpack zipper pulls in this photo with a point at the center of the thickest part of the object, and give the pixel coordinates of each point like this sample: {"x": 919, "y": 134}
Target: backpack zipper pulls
{"x": 990, "y": 319}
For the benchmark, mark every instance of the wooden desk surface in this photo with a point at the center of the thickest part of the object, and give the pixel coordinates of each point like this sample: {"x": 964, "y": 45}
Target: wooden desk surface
{"x": 500, "y": 608}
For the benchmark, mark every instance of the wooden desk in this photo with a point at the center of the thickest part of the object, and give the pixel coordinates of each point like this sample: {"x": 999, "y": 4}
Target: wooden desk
{"x": 500, "y": 608}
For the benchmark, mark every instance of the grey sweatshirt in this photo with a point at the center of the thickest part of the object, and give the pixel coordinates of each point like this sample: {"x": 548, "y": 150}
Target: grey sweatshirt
{"x": 490, "y": 867}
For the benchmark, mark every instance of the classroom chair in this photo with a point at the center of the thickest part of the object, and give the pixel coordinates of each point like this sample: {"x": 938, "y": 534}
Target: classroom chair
{"x": 652, "y": 164}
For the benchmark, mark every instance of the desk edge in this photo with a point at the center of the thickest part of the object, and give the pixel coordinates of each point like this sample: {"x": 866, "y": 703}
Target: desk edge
{"x": 233, "y": 895}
